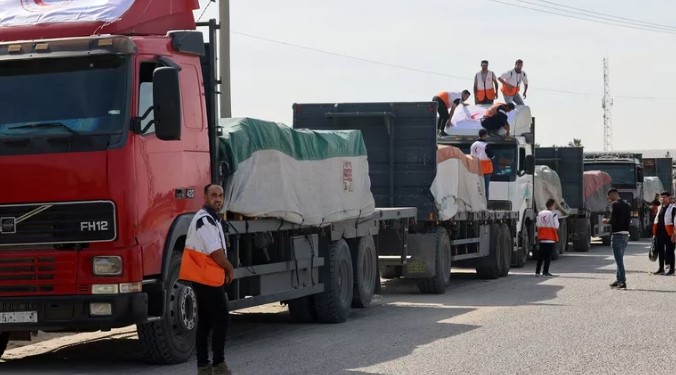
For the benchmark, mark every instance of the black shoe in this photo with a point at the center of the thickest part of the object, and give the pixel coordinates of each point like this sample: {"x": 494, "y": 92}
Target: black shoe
{"x": 547, "y": 274}
{"x": 622, "y": 286}
{"x": 615, "y": 284}
{"x": 670, "y": 273}
{"x": 658, "y": 272}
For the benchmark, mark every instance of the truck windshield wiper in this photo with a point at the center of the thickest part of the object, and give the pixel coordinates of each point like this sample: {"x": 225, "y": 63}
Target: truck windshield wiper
{"x": 47, "y": 125}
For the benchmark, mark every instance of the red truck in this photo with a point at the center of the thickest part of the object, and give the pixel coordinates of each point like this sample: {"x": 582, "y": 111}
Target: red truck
{"x": 107, "y": 135}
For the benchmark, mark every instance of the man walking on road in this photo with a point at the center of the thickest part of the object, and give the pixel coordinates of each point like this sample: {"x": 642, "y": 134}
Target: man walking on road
{"x": 548, "y": 236}
{"x": 620, "y": 218}
{"x": 663, "y": 231}
{"x": 206, "y": 265}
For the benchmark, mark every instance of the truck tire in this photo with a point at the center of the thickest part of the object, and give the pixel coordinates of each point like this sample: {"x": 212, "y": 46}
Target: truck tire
{"x": 171, "y": 340}
{"x": 333, "y": 305}
{"x": 634, "y": 233}
{"x": 522, "y": 255}
{"x": 365, "y": 264}
{"x": 506, "y": 245}
{"x": 302, "y": 310}
{"x": 442, "y": 266}
{"x": 583, "y": 244}
{"x": 4, "y": 341}
{"x": 491, "y": 265}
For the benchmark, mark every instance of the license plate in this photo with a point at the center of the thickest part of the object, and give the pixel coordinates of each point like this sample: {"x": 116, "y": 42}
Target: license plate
{"x": 19, "y": 317}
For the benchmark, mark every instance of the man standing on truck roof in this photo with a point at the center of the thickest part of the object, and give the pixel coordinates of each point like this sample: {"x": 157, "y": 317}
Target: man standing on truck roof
{"x": 446, "y": 101}
{"x": 482, "y": 151}
{"x": 663, "y": 233}
{"x": 495, "y": 118}
{"x": 620, "y": 219}
{"x": 485, "y": 85}
{"x": 206, "y": 265}
{"x": 511, "y": 84}
{"x": 548, "y": 235}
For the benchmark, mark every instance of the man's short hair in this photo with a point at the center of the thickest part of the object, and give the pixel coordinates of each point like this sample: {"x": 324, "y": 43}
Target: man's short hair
{"x": 519, "y": 61}
{"x": 550, "y": 202}
{"x": 612, "y": 190}
{"x": 483, "y": 132}
{"x": 466, "y": 92}
{"x": 484, "y": 61}
{"x": 510, "y": 105}
{"x": 206, "y": 188}
{"x": 665, "y": 194}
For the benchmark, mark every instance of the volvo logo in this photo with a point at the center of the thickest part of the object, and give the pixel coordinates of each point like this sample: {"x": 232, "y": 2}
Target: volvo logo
{"x": 7, "y": 225}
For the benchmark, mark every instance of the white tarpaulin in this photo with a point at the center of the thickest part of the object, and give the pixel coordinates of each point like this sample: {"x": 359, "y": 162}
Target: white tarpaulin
{"x": 651, "y": 185}
{"x": 34, "y": 12}
{"x": 548, "y": 185}
{"x": 596, "y": 186}
{"x": 459, "y": 183}
{"x": 466, "y": 120}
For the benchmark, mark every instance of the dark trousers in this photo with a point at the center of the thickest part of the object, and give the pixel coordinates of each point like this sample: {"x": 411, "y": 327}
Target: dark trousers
{"x": 546, "y": 251}
{"x": 212, "y": 310}
{"x": 443, "y": 113}
{"x": 665, "y": 251}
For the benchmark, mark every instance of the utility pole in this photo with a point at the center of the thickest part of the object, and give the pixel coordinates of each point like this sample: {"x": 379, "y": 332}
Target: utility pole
{"x": 606, "y": 104}
{"x": 224, "y": 57}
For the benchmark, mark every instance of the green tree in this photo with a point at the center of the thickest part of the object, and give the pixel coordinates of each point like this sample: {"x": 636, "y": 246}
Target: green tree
{"x": 575, "y": 143}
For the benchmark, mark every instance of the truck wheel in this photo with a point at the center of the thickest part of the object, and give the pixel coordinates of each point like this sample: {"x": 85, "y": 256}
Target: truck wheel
{"x": 171, "y": 340}
{"x": 634, "y": 233}
{"x": 583, "y": 244}
{"x": 333, "y": 305}
{"x": 364, "y": 261}
{"x": 4, "y": 341}
{"x": 442, "y": 277}
{"x": 302, "y": 310}
{"x": 522, "y": 255}
{"x": 491, "y": 265}
{"x": 506, "y": 247}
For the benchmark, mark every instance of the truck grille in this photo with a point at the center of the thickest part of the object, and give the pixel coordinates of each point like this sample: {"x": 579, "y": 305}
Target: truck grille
{"x": 57, "y": 223}
{"x": 38, "y": 274}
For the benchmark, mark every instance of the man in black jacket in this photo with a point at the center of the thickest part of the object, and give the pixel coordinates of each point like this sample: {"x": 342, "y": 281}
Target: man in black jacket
{"x": 620, "y": 218}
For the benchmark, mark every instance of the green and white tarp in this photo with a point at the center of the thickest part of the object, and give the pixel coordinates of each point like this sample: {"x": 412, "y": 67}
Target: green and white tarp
{"x": 301, "y": 176}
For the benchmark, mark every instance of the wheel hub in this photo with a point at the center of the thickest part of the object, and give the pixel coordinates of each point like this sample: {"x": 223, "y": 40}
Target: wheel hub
{"x": 183, "y": 309}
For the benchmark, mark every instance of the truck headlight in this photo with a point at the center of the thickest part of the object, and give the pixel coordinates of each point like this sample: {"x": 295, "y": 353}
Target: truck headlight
{"x": 107, "y": 266}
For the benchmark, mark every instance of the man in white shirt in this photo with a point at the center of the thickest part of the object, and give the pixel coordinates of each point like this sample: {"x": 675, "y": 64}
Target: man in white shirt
{"x": 511, "y": 84}
{"x": 547, "y": 233}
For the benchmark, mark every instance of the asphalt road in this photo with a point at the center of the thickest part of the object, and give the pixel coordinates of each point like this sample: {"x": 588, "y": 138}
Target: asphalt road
{"x": 572, "y": 323}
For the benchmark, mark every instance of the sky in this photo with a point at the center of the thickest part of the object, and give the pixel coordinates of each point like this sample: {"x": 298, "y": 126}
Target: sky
{"x": 450, "y": 38}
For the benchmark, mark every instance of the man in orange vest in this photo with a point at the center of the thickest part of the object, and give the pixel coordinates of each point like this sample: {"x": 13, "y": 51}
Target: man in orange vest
{"x": 446, "y": 101}
{"x": 485, "y": 85}
{"x": 548, "y": 236}
{"x": 511, "y": 84}
{"x": 495, "y": 118}
{"x": 206, "y": 265}
{"x": 482, "y": 151}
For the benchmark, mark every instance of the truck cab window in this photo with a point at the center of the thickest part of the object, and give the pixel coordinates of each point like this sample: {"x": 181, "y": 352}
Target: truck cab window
{"x": 145, "y": 97}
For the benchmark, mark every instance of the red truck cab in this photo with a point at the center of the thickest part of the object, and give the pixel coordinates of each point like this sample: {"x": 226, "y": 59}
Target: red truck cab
{"x": 104, "y": 146}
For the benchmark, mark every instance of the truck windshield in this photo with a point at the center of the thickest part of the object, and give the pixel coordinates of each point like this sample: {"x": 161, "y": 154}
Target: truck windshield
{"x": 622, "y": 174}
{"x": 77, "y": 96}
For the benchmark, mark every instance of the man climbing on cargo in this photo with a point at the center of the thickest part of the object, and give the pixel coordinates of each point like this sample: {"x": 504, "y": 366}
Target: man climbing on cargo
{"x": 548, "y": 236}
{"x": 485, "y": 85}
{"x": 482, "y": 151}
{"x": 206, "y": 265}
{"x": 511, "y": 84}
{"x": 495, "y": 118}
{"x": 663, "y": 232}
{"x": 448, "y": 101}
{"x": 620, "y": 219}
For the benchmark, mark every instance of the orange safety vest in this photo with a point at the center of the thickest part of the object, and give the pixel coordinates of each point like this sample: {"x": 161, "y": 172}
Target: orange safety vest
{"x": 668, "y": 220}
{"x": 479, "y": 151}
{"x": 485, "y": 88}
{"x": 196, "y": 265}
{"x": 493, "y": 110}
{"x": 547, "y": 226}
{"x": 513, "y": 91}
{"x": 448, "y": 97}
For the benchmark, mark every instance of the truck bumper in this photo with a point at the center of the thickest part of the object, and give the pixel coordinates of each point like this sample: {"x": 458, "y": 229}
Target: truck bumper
{"x": 71, "y": 313}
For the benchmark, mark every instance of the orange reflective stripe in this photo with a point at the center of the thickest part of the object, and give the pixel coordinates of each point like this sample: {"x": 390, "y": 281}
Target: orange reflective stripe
{"x": 486, "y": 166}
{"x": 548, "y": 234}
{"x": 670, "y": 229}
{"x": 200, "y": 268}
{"x": 483, "y": 94}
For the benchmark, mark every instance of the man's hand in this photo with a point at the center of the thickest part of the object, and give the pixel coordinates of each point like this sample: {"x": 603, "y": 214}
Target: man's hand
{"x": 229, "y": 272}
{"x": 524, "y": 95}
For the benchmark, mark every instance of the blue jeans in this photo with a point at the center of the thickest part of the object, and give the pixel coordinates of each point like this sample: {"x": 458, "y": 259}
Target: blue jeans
{"x": 487, "y": 180}
{"x": 619, "y": 243}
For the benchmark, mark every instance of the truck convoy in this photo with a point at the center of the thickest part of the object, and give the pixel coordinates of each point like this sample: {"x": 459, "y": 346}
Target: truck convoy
{"x": 661, "y": 168}
{"x": 583, "y": 193}
{"x": 626, "y": 171}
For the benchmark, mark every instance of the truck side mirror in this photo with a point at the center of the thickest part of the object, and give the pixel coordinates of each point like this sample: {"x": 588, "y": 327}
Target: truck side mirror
{"x": 167, "y": 106}
{"x": 530, "y": 164}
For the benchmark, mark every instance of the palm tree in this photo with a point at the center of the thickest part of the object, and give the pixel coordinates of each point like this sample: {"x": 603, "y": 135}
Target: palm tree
{"x": 575, "y": 143}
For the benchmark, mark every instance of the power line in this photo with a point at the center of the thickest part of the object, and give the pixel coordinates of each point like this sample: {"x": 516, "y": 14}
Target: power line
{"x": 287, "y": 44}
{"x": 583, "y": 19}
